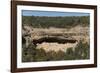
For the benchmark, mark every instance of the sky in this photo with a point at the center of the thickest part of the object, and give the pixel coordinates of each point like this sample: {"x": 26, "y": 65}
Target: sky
{"x": 51, "y": 13}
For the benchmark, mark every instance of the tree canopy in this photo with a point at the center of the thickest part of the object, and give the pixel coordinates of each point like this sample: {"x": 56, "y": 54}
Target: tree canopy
{"x": 60, "y": 22}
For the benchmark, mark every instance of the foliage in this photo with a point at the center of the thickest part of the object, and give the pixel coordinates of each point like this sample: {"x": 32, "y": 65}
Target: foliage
{"x": 60, "y": 22}
{"x": 28, "y": 53}
{"x": 32, "y": 54}
{"x": 82, "y": 51}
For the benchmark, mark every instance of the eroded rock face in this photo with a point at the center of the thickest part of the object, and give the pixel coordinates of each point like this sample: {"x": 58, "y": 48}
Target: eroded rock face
{"x": 65, "y": 38}
{"x": 53, "y": 39}
{"x": 56, "y": 46}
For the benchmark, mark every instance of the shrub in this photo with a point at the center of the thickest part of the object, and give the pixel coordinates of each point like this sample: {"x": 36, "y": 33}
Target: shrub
{"x": 82, "y": 51}
{"x": 31, "y": 54}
